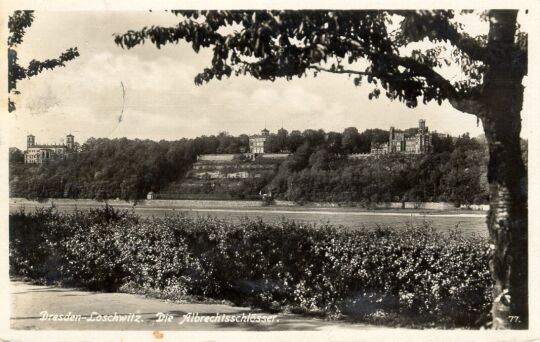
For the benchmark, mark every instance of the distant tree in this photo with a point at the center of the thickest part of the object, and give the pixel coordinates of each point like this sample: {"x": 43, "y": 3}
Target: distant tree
{"x": 18, "y": 23}
{"x": 320, "y": 160}
{"x": 465, "y": 142}
{"x": 462, "y": 177}
{"x": 273, "y": 44}
{"x": 272, "y": 144}
{"x": 313, "y": 137}
{"x": 15, "y": 155}
{"x": 294, "y": 140}
{"x": 350, "y": 140}
{"x": 227, "y": 143}
{"x": 282, "y": 135}
{"x": 369, "y": 136}
{"x": 300, "y": 159}
{"x": 442, "y": 144}
{"x": 334, "y": 142}
{"x": 243, "y": 141}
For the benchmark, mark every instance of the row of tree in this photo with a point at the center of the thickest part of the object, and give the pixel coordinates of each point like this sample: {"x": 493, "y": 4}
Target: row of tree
{"x": 455, "y": 172}
{"x": 318, "y": 169}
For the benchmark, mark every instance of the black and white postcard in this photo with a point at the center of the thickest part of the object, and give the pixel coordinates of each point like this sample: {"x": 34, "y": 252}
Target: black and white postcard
{"x": 227, "y": 171}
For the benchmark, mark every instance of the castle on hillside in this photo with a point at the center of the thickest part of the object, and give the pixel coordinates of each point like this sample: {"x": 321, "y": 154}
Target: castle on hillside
{"x": 398, "y": 142}
{"x": 37, "y": 154}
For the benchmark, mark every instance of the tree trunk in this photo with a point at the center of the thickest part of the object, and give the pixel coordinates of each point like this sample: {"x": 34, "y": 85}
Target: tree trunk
{"x": 507, "y": 177}
{"x": 507, "y": 225}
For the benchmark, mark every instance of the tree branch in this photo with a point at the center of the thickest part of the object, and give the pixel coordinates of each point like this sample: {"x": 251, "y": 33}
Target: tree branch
{"x": 339, "y": 71}
{"x": 35, "y": 67}
{"x": 426, "y": 72}
{"x": 436, "y": 27}
{"x": 464, "y": 102}
{"x": 468, "y": 104}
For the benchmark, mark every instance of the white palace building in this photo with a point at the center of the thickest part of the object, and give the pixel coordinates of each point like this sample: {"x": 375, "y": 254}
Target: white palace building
{"x": 37, "y": 154}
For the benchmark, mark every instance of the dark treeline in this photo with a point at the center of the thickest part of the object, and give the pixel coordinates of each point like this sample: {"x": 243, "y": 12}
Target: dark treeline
{"x": 115, "y": 168}
{"x": 319, "y": 169}
{"x": 454, "y": 172}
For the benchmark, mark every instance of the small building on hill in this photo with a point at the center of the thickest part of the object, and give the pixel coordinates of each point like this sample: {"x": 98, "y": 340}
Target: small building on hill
{"x": 257, "y": 162}
{"x": 257, "y": 142}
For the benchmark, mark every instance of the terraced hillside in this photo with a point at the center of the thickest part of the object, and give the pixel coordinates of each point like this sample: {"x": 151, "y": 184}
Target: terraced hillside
{"x": 225, "y": 177}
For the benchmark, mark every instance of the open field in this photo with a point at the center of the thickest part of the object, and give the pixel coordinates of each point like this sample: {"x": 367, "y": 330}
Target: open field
{"x": 355, "y": 218}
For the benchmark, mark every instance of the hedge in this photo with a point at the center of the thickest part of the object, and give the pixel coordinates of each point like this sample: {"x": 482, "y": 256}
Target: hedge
{"x": 412, "y": 272}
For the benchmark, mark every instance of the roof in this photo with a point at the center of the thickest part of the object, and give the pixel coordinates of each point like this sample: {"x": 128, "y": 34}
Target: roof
{"x": 48, "y": 146}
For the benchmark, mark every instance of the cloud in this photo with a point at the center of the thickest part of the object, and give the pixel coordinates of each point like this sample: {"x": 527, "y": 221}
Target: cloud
{"x": 42, "y": 102}
{"x": 162, "y": 101}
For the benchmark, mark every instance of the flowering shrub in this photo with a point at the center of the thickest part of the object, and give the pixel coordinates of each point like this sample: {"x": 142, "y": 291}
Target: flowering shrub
{"x": 415, "y": 272}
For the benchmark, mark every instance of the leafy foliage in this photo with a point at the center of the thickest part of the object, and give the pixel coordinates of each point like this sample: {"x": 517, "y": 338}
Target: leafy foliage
{"x": 366, "y": 44}
{"x": 18, "y": 23}
{"x": 444, "y": 177}
{"x": 118, "y": 168}
{"x": 415, "y": 272}
{"x": 319, "y": 169}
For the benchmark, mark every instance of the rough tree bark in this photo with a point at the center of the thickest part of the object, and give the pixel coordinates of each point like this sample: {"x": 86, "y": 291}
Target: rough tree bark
{"x": 498, "y": 103}
{"x": 502, "y": 99}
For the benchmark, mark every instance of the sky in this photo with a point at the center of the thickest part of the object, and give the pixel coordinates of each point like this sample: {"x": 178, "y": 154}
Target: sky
{"x": 162, "y": 102}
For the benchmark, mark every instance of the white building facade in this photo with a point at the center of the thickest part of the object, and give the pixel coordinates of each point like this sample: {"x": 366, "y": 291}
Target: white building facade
{"x": 38, "y": 154}
{"x": 257, "y": 142}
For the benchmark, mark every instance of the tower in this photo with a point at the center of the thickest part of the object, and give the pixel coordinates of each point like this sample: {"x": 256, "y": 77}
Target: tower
{"x": 70, "y": 142}
{"x": 422, "y": 137}
{"x": 421, "y": 126}
{"x": 391, "y": 138}
{"x": 30, "y": 141}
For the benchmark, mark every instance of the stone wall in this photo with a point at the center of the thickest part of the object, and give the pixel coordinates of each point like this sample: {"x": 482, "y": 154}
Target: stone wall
{"x": 203, "y": 203}
{"x": 217, "y": 157}
{"x": 274, "y": 155}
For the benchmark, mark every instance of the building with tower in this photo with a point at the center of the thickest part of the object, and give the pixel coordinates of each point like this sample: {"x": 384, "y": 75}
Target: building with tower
{"x": 257, "y": 142}
{"x": 40, "y": 153}
{"x": 400, "y": 142}
{"x": 70, "y": 142}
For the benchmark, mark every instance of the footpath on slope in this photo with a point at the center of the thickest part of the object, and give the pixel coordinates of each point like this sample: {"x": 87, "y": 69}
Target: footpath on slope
{"x": 37, "y": 307}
